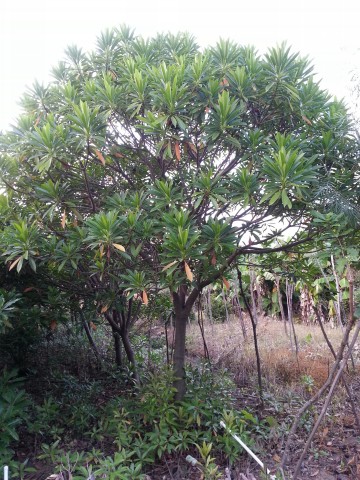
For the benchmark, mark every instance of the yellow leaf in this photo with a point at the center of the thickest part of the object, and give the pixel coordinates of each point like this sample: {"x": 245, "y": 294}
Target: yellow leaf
{"x": 100, "y": 156}
{"x": 119, "y": 247}
{"x": 169, "y": 265}
{"x": 101, "y": 250}
{"x": 226, "y": 283}
{"x": 177, "y": 151}
{"x": 145, "y": 297}
{"x": 188, "y": 272}
{"x": 63, "y": 219}
{"x": 15, "y": 262}
{"x": 104, "y": 309}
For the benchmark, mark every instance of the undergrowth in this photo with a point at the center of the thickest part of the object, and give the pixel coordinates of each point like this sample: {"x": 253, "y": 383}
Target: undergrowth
{"x": 102, "y": 428}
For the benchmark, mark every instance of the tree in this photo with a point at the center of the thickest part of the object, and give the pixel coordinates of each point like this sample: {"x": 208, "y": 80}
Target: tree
{"x": 149, "y": 166}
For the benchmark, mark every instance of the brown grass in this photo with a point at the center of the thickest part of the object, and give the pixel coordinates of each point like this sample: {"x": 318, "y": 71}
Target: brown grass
{"x": 280, "y": 365}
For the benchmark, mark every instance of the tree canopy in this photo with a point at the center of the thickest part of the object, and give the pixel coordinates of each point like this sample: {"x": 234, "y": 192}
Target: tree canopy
{"x": 150, "y": 165}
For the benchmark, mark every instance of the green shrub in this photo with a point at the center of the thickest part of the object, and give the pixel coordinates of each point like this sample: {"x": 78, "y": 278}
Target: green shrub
{"x": 14, "y": 404}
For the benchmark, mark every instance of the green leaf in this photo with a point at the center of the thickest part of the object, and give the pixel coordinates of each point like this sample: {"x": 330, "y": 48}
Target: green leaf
{"x": 285, "y": 199}
{"x": 274, "y": 198}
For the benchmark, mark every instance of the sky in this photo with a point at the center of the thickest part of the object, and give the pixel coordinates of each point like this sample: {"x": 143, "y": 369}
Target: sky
{"x": 35, "y": 33}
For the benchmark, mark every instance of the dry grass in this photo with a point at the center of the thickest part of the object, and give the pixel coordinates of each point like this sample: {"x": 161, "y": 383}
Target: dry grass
{"x": 228, "y": 348}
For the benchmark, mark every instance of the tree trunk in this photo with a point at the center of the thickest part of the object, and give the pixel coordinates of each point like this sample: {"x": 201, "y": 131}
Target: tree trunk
{"x": 181, "y": 318}
{"x": 289, "y": 299}
{"x": 202, "y": 329}
{"x": 223, "y": 296}
{"x": 252, "y": 287}
{"x": 241, "y": 318}
{"x": 254, "y": 325}
{"x": 281, "y": 306}
{"x": 130, "y": 354}
{"x": 182, "y": 309}
{"x": 117, "y": 347}
{"x": 338, "y": 302}
{"x": 89, "y": 337}
{"x": 209, "y": 305}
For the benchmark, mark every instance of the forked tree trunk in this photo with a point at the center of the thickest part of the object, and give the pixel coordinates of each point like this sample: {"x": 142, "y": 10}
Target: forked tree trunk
{"x": 120, "y": 325}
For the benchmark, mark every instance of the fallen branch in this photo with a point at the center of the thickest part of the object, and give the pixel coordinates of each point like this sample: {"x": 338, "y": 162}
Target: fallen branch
{"x": 348, "y": 391}
{"x": 318, "y": 394}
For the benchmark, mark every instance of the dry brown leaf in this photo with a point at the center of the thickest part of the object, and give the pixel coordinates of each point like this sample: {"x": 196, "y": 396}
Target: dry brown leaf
{"x": 93, "y": 326}
{"x": 314, "y": 474}
{"x": 144, "y": 297}
{"x": 169, "y": 265}
{"x": 188, "y": 272}
{"x": 226, "y": 283}
{"x": 213, "y": 259}
{"x": 104, "y": 309}
{"x": 119, "y": 155}
{"x": 53, "y": 325}
{"x": 119, "y": 247}
{"x": 14, "y": 263}
{"x": 276, "y": 458}
{"x": 100, "y": 156}
{"x": 63, "y": 219}
{"x": 29, "y": 289}
{"x": 177, "y": 151}
{"x": 192, "y": 146}
{"x": 304, "y": 117}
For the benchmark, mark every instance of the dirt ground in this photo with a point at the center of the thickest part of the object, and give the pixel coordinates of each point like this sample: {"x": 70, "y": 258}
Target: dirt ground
{"x": 289, "y": 381}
